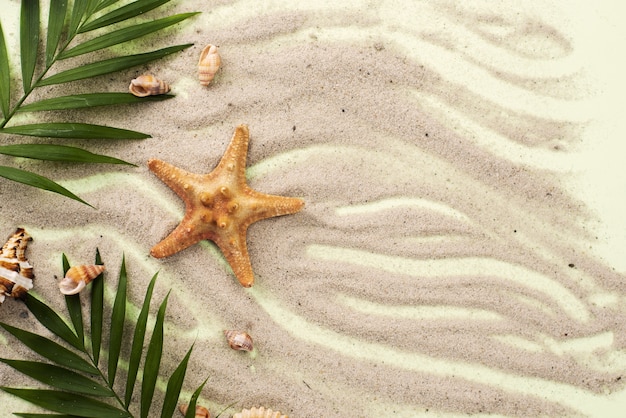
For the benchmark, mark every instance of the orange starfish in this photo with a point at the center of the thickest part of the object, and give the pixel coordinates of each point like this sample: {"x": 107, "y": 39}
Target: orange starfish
{"x": 220, "y": 206}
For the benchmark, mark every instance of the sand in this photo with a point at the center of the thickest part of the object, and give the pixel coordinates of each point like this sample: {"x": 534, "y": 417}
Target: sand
{"x": 449, "y": 257}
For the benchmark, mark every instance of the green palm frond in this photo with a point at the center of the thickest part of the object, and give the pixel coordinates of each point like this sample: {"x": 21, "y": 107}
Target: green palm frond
{"x": 67, "y": 22}
{"x": 77, "y": 386}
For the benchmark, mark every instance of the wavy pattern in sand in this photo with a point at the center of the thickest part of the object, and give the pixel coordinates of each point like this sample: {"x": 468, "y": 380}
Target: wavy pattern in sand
{"x": 438, "y": 267}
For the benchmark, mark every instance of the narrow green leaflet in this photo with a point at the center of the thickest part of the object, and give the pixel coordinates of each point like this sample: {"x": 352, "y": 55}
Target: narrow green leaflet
{"x": 133, "y": 9}
{"x": 174, "y": 385}
{"x": 67, "y": 403}
{"x": 25, "y": 415}
{"x": 137, "y": 347}
{"x": 50, "y": 350}
{"x": 51, "y": 320}
{"x": 124, "y": 35}
{"x": 63, "y": 153}
{"x": 73, "y": 131}
{"x": 79, "y": 101}
{"x": 29, "y": 40}
{"x": 118, "y": 315}
{"x": 5, "y": 77}
{"x": 74, "y": 306}
{"x": 59, "y": 377}
{"x": 191, "y": 409}
{"x": 104, "y": 4}
{"x": 97, "y": 313}
{"x": 56, "y": 19}
{"x": 153, "y": 361}
{"x": 78, "y": 12}
{"x": 35, "y": 180}
{"x": 108, "y": 66}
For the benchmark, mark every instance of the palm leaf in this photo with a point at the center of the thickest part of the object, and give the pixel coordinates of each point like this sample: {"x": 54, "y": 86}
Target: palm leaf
{"x": 117, "y": 323}
{"x": 73, "y": 131}
{"x": 5, "y": 77}
{"x": 63, "y": 153}
{"x": 35, "y": 180}
{"x": 174, "y": 385}
{"x": 29, "y": 40}
{"x": 79, "y": 101}
{"x": 78, "y": 13}
{"x": 67, "y": 403}
{"x": 51, "y": 320}
{"x": 124, "y": 35}
{"x": 56, "y": 19}
{"x": 153, "y": 361}
{"x": 133, "y": 9}
{"x": 137, "y": 346}
{"x": 104, "y": 4}
{"x": 97, "y": 313}
{"x": 109, "y": 66}
{"x": 50, "y": 350}
{"x": 25, "y": 415}
{"x": 191, "y": 409}
{"x": 59, "y": 377}
{"x": 73, "y": 305}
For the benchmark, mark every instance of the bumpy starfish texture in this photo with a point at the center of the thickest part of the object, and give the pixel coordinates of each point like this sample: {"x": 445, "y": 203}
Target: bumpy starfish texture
{"x": 220, "y": 206}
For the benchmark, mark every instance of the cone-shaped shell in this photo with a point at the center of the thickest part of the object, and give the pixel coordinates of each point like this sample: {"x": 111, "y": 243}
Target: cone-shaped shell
{"x": 148, "y": 85}
{"x": 238, "y": 340}
{"x": 208, "y": 64}
{"x": 259, "y": 413}
{"x": 201, "y": 411}
{"x": 78, "y": 277}
{"x": 16, "y": 273}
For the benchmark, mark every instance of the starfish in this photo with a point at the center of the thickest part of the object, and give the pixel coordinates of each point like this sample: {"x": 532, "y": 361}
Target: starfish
{"x": 220, "y": 206}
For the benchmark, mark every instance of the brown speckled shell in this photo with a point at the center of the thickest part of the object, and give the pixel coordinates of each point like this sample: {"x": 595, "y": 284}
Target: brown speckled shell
{"x": 238, "y": 340}
{"x": 201, "y": 411}
{"x": 208, "y": 64}
{"x": 148, "y": 85}
{"x": 16, "y": 273}
{"x": 259, "y": 413}
{"x": 78, "y": 277}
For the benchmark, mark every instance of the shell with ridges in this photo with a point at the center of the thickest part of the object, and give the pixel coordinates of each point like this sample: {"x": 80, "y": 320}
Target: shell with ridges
{"x": 16, "y": 273}
{"x": 208, "y": 64}
{"x": 201, "y": 411}
{"x": 78, "y": 277}
{"x": 259, "y": 413}
{"x": 238, "y": 340}
{"x": 148, "y": 85}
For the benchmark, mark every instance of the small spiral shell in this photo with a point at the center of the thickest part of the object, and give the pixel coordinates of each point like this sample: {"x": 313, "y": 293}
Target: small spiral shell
{"x": 148, "y": 85}
{"x": 78, "y": 277}
{"x": 259, "y": 413}
{"x": 238, "y": 340}
{"x": 208, "y": 64}
{"x": 201, "y": 411}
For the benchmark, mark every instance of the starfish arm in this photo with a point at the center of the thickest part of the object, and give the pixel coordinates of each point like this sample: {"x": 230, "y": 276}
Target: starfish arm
{"x": 175, "y": 178}
{"x": 267, "y": 206}
{"x": 180, "y": 238}
{"x": 234, "y": 159}
{"x": 235, "y": 251}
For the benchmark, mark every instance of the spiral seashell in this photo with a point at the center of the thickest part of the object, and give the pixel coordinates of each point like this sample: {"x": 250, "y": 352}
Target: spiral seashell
{"x": 259, "y": 413}
{"x": 16, "y": 273}
{"x": 201, "y": 411}
{"x": 208, "y": 64}
{"x": 238, "y": 340}
{"x": 78, "y": 277}
{"x": 148, "y": 85}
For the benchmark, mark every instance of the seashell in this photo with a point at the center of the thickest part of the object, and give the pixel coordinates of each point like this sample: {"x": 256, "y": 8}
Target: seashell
{"x": 208, "y": 64}
{"x": 78, "y": 277}
{"x": 16, "y": 273}
{"x": 201, "y": 411}
{"x": 238, "y": 340}
{"x": 259, "y": 413}
{"x": 148, "y": 85}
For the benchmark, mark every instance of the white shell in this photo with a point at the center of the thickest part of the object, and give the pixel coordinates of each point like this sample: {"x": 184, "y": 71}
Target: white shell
{"x": 259, "y": 413}
{"x": 148, "y": 85}
{"x": 208, "y": 64}
{"x": 78, "y": 277}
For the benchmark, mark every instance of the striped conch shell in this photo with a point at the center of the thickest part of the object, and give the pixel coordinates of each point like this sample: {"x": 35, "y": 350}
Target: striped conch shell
{"x": 238, "y": 340}
{"x": 16, "y": 273}
{"x": 209, "y": 64}
{"x": 201, "y": 411}
{"x": 148, "y": 85}
{"x": 259, "y": 413}
{"x": 78, "y": 277}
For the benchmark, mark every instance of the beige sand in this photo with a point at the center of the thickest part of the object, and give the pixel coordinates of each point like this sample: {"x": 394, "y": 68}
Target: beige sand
{"x": 442, "y": 265}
